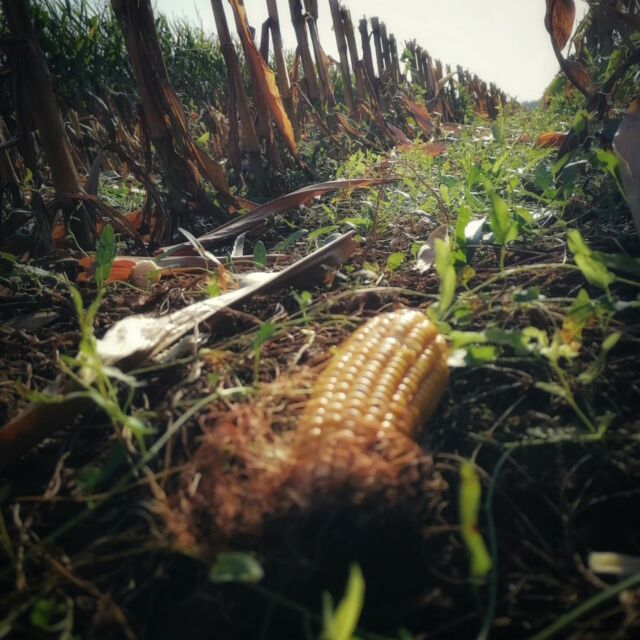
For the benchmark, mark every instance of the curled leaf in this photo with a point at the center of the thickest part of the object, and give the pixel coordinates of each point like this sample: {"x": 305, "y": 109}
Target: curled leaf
{"x": 133, "y": 340}
{"x": 558, "y": 21}
{"x": 579, "y": 75}
{"x": 427, "y": 253}
{"x": 288, "y": 201}
{"x": 264, "y": 78}
{"x": 420, "y": 115}
{"x": 551, "y": 139}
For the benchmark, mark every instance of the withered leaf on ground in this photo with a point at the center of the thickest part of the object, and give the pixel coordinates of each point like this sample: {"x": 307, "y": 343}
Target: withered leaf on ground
{"x": 123, "y": 266}
{"x": 288, "y": 201}
{"x": 559, "y": 20}
{"x": 134, "y": 340}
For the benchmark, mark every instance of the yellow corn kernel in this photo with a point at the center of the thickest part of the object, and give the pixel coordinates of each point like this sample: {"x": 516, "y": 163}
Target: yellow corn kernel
{"x": 389, "y": 375}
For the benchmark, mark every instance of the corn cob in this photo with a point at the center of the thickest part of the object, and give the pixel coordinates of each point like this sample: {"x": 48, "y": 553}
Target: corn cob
{"x": 353, "y": 452}
{"x": 388, "y": 376}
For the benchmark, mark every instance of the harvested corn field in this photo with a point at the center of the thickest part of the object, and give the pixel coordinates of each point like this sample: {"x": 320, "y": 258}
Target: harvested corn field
{"x": 308, "y": 334}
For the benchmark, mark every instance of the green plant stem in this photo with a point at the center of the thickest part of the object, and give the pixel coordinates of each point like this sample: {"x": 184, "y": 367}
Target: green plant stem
{"x": 570, "y": 399}
{"x": 588, "y": 605}
{"x": 490, "y": 609}
{"x": 304, "y": 611}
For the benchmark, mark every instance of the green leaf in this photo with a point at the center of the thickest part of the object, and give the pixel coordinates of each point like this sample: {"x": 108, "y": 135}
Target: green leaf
{"x": 357, "y": 222}
{"x": 342, "y": 624}
{"x": 577, "y": 245}
{"x": 444, "y": 194}
{"x": 304, "y": 299}
{"x": 321, "y": 232}
{"x": 105, "y": 255}
{"x": 597, "y": 367}
{"x": 607, "y": 160}
{"x": 91, "y": 478}
{"x": 592, "y": 267}
{"x": 497, "y": 133}
{"x": 395, "y": 260}
{"x": 469, "y": 499}
{"x": 290, "y": 240}
{"x": 503, "y": 225}
{"x": 48, "y": 614}
{"x": 481, "y": 354}
{"x": 463, "y": 219}
{"x": 463, "y": 338}
{"x": 260, "y": 254}
{"x": 517, "y": 340}
{"x": 233, "y": 566}
{"x": 203, "y": 139}
{"x": 447, "y": 273}
{"x": 543, "y": 177}
{"x": 594, "y": 271}
{"x": 266, "y": 330}
{"x": 581, "y": 311}
{"x": 8, "y": 256}
{"x": 580, "y": 121}
{"x": 620, "y": 262}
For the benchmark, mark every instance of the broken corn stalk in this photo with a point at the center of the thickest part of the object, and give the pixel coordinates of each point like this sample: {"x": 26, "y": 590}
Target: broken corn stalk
{"x": 389, "y": 375}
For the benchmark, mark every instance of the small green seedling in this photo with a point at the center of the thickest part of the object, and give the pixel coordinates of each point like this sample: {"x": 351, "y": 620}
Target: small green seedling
{"x": 264, "y": 333}
{"x": 469, "y": 500}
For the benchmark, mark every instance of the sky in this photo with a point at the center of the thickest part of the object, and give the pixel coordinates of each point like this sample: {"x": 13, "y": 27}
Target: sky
{"x": 503, "y": 41}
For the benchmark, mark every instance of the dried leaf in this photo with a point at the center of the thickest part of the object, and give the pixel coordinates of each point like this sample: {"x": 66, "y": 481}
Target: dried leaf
{"x": 579, "y": 74}
{"x": 396, "y": 135}
{"x": 350, "y": 129}
{"x": 91, "y": 185}
{"x": 427, "y": 252}
{"x": 420, "y": 115}
{"x": 291, "y": 200}
{"x": 135, "y": 339}
{"x": 238, "y": 245}
{"x": 473, "y": 231}
{"x": 123, "y": 267}
{"x": 431, "y": 149}
{"x": 551, "y": 139}
{"x": 626, "y": 145}
{"x": 264, "y": 77}
{"x": 558, "y": 21}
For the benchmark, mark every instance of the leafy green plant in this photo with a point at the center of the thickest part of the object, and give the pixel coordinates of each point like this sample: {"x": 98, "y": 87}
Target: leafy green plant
{"x": 590, "y": 264}
{"x": 260, "y": 254}
{"x": 235, "y": 566}
{"x": 503, "y": 224}
{"x": 304, "y": 300}
{"x": 444, "y": 267}
{"x": 105, "y": 255}
{"x": 341, "y": 623}
{"x": 265, "y": 332}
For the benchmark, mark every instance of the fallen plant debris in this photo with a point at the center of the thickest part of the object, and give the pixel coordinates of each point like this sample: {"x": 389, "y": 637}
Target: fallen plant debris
{"x": 133, "y": 341}
{"x": 243, "y": 361}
